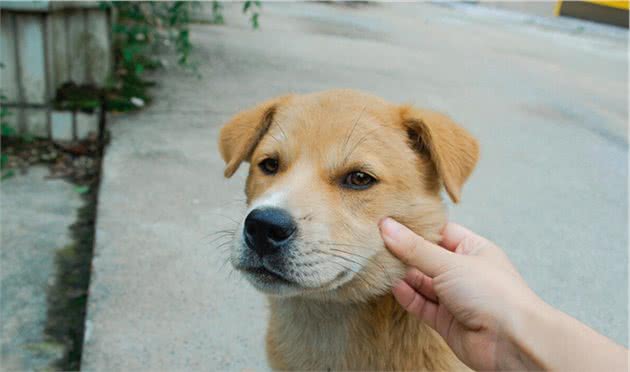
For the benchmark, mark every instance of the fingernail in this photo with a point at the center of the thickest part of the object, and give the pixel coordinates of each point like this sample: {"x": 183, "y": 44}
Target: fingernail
{"x": 390, "y": 228}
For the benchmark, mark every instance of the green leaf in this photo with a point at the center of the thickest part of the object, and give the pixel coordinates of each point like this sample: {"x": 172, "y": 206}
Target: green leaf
{"x": 6, "y": 130}
{"x": 104, "y": 5}
{"x": 120, "y": 28}
{"x": 246, "y": 6}
{"x": 4, "y": 112}
{"x": 4, "y": 159}
{"x": 139, "y": 69}
{"x": 28, "y": 138}
{"x": 255, "y": 24}
{"x": 127, "y": 54}
{"x": 81, "y": 189}
{"x": 8, "y": 174}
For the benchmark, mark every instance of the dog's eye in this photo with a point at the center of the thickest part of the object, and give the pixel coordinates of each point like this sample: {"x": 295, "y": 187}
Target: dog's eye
{"x": 269, "y": 166}
{"x": 358, "y": 180}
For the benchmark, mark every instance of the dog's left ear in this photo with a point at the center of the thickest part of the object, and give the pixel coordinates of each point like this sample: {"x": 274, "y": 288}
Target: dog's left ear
{"x": 453, "y": 151}
{"x": 239, "y": 136}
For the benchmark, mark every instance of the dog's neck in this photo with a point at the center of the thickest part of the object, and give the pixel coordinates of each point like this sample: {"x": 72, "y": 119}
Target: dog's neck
{"x": 325, "y": 335}
{"x": 306, "y": 311}
{"x": 318, "y": 330}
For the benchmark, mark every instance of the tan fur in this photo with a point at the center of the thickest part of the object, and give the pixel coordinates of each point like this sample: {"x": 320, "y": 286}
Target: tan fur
{"x": 351, "y": 321}
{"x": 377, "y": 335}
{"x": 449, "y": 146}
{"x": 242, "y": 133}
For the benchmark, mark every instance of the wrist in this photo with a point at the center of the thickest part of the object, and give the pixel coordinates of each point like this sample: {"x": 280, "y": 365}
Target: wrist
{"x": 543, "y": 337}
{"x": 528, "y": 329}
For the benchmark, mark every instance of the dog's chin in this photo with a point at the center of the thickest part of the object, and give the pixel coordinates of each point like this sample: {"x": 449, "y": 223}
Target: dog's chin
{"x": 275, "y": 285}
{"x": 270, "y": 283}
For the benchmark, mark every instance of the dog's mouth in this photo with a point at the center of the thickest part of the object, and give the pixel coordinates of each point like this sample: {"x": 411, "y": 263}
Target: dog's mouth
{"x": 286, "y": 275}
{"x": 270, "y": 280}
{"x": 266, "y": 276}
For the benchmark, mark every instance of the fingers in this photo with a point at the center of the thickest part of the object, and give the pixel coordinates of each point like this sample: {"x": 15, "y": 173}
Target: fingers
{"x": 460, "y": 240}
{"x": 421, "y": 283}
{"x": 414, "y": 250}
{"x": 415, "y": 303}
{"x": 453, "y": 234}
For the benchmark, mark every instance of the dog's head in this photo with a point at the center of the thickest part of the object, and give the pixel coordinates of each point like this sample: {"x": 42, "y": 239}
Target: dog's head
{"x": 325, "y": 168}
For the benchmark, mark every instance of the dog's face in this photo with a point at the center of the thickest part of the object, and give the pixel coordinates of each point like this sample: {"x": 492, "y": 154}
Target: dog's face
{"x": 325, "y": 168}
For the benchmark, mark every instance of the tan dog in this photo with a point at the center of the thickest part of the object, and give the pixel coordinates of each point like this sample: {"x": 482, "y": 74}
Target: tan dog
{"x": 325, "y": 168}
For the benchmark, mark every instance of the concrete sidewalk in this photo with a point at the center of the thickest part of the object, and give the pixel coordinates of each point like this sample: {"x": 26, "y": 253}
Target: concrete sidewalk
{"x": 36, "y": 214}
{"x": 548, "y": 105}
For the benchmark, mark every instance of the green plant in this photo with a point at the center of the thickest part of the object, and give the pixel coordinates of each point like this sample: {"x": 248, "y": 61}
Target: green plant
{"x": 217, "y": 13}
{"x": 82, "y": 189}
{"x": 253, "y": 6}
{"x": 73, "y": 97}
{"x": 5, "y": 129}
{"x": 250, "y": 7}
{"x": 179, "y": 15}
{"x": 139, "y": 31}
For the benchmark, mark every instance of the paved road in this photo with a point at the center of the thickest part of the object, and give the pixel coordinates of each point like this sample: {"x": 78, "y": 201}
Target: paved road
{"x": 36, "y": 214}
{"x": 546, "y": 99}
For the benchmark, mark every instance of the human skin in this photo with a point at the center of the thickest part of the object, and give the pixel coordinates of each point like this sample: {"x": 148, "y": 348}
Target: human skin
{"x": 468, "y": 291}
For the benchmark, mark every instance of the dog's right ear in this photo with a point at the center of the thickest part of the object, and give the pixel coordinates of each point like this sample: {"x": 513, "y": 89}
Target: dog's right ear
{"x": 241, "y": 134}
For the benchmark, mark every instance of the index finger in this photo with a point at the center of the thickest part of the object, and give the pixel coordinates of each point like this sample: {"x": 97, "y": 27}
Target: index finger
{"x": 414, "y": 250}
{"x": 453, "y": 234}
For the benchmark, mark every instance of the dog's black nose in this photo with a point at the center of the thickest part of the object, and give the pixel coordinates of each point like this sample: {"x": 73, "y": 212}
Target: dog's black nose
{"x": 268, "y": 229}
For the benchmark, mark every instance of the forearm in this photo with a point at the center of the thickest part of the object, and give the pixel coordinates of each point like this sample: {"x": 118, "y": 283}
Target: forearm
{"x": 552, "y": 340}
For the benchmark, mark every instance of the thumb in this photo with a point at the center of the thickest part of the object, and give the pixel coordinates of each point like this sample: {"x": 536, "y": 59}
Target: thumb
{"x": 414, "y": 250}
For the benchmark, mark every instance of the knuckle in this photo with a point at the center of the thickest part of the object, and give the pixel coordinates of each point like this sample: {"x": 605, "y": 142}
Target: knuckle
{"x": 471, "y": 245}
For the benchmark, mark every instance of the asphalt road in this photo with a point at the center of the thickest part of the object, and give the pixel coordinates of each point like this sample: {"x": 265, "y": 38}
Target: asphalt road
{"x": 546, "y": 98}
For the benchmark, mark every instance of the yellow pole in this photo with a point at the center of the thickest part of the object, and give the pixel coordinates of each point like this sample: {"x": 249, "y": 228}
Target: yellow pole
{"x": 556, "y": 10}
{"x": 611, "y": 4}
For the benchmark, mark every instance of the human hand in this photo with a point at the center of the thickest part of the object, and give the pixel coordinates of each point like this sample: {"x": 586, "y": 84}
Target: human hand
{"x": 467, "y": 290}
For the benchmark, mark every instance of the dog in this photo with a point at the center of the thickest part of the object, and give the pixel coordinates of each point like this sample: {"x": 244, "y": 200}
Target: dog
{"x": 324, "y": 169}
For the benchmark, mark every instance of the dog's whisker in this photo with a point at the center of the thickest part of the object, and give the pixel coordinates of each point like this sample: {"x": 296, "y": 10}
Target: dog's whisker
{"x": 357, "y": 144}
{"x": 220, "y": 232}
{"x": 369, "y": 259}
{"x": 362, "y": 140}
{"x": 356, "y": 273}
{"x": 221, "y": 242}
{"x": 283, "y": 132}
{"x": 225, "y": 262}
{"x": 359, "y": 273}
{"x": 220, "y": 236}
{"x": 340, "y": 244}
{"x": 234, "y": 221}
{"x": 224, "y": 244}
{"x": 274, "y": 138}
{"x": 340, "y": 256}
{"x": 345, "y": 143}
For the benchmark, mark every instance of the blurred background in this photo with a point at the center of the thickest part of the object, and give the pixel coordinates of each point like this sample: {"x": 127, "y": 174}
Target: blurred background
{"x": 113, "y": 200}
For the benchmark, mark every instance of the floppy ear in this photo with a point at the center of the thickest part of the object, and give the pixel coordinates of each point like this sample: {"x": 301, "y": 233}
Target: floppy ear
{"x": 453, "y": 151}
{"x": 241, "y": 134}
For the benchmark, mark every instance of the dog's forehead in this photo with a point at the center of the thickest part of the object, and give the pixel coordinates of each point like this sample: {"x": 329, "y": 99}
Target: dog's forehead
{"x": 334, "y": 114}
